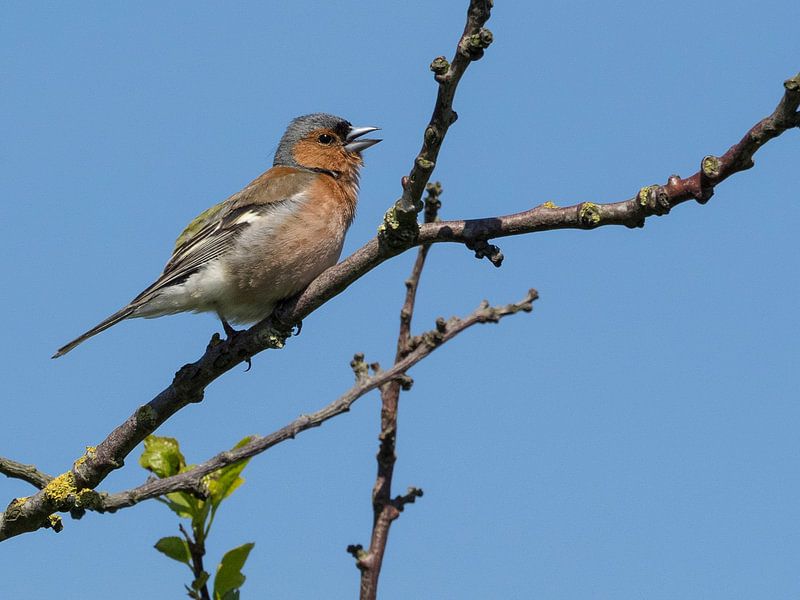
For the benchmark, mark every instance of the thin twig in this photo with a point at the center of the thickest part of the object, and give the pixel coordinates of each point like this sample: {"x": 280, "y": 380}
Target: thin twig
{"x": 399, "y": 228}
{"x": 29, "y": 473}
{"x": 385, "y": 509}
{"x": 197, "y": 550}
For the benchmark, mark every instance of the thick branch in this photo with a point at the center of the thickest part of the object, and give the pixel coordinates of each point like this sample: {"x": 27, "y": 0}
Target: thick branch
{"x": 421, "y": 347}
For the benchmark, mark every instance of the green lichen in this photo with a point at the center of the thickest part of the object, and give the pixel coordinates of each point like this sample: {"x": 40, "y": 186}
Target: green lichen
{"x": 440, "y": 65}
{"x": 88, "y": 499}
{"x": 589, "y": 214}
{"x": 146, "y": 416}
{"x": 424, "y": 163}
{"x": 644, "y": 194}
{"x": 710, "y": 166}
{"x": 390, "y": 221}
{"x": 61, "y": 488}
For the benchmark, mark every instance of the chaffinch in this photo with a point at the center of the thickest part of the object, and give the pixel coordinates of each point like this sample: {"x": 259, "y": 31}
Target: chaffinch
{"x": 268, "y": 241}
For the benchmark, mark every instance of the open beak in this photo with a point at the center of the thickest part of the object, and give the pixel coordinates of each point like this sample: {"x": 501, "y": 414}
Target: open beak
{"x": 354, "y": 144}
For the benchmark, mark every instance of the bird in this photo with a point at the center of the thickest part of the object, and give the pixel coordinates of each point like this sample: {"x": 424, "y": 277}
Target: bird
{"x": 266, "y": 242}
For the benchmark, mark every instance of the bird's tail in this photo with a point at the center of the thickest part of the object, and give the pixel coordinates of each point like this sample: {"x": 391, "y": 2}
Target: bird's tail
{"x": 112, "y": 320}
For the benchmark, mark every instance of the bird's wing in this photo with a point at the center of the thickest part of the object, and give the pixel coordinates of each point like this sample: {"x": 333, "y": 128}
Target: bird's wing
{"x": 214, "y": 232}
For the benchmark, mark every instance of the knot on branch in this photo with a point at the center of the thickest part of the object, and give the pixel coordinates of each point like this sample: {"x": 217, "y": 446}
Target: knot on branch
{"x": 358, "y": 552}
{"x": 440, "y": 67}
{"x": 710, "y": 170}
{"x": 360, "y": 367}
{"x": 654, "y": 199}
{"x": 54, "y": 522}
{"x": 399, "y": 229}
{"x": 473, "y": 46}
{"x": 408, "y": 498}
{"x": 589, "y": 215}
{"x": 184, "y": 383}
{"x": 405, "y": 381}
{"x": 432, "y": 201}
{"x": 484, "y": 249}
{"x": 275, "y": 337}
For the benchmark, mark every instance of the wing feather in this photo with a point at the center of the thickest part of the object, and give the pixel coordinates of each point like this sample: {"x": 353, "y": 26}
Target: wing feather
{"x": 214, "y": 232}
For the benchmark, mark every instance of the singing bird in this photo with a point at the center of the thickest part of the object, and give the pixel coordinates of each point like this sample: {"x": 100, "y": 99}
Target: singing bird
{"x": 268, "y": 241}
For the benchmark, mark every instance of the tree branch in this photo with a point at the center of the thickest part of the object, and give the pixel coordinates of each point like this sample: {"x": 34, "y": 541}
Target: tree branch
{"x": 650, "y": 200}
{"x": 385, "y": 509}
{"x": 191, "y": 380}
{"x": 29, "y": 473}
{"x": 399, "y": 229}
{"x": 422, "y": 346}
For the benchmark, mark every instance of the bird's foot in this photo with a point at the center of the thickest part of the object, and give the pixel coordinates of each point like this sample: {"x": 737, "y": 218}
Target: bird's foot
{"x": 299, "y": 327}
{"x": 230, "y": 332}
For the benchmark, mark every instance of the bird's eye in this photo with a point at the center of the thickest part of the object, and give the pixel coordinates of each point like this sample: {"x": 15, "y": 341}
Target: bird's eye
{"x": 325, "y": 139}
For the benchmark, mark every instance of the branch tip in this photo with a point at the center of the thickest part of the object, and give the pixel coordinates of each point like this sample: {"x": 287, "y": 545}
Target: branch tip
{"x": 359, "y": 367}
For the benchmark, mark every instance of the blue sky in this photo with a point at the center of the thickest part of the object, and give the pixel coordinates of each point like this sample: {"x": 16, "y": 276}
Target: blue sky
{"x": 634, "y": 437}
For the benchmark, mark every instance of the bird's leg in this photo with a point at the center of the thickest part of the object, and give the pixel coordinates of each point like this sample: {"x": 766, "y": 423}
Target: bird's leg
{"x": 230, "y": 332}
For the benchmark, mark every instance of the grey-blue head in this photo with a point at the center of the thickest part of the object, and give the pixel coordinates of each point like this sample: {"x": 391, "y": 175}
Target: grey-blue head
{"x": 322, "y": 132}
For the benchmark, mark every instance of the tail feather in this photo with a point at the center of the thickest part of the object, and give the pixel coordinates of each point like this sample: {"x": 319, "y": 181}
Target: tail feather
{"x": 112, "y": 320}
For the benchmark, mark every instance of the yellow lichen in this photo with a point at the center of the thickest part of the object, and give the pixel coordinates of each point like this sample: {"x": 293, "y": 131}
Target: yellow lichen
{"x": 549, "y": 204}
{"x": 390, "y": 221}
{"x": 589, "y": 214}
{"x": 710, "y": 166}
{"x": 644, "y": 194}
{"x": 16, "y": 503}
{"x": 54, "y": 521}
{"x": 60, "y": 488}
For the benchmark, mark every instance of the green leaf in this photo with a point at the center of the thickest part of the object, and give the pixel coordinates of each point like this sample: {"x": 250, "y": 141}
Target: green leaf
{"x": 231, "y": 595}
{"x": 223, "y": 482}
{"x": 176, "y": 548}
{"x": 162, "y": 456}
{"x": 181, "y": 503}
{"x": 229, "y": 577}
{"x": 200, "y": 514}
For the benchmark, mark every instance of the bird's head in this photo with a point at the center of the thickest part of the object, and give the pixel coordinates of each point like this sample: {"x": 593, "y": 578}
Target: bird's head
{"x": 324, "y": 143}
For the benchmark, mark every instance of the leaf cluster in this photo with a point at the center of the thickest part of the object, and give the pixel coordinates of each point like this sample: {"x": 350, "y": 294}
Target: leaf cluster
{"x": 162, "y": 456}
